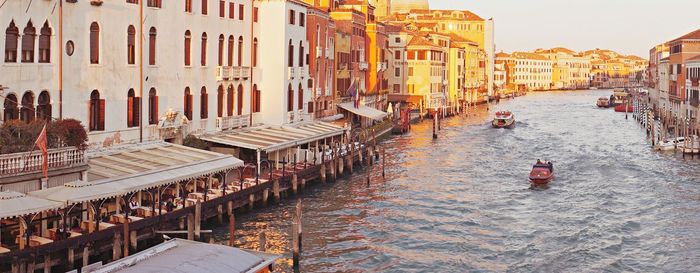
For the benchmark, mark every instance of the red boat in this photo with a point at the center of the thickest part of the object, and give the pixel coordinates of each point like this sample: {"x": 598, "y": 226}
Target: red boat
{"x": 621, "y": 108}
{"x": 542, "y": 173}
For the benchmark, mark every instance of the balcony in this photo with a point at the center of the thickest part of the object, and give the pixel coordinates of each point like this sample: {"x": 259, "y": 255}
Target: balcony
{"x": 224, "y": 73}
{"x": 329, "y": 54}
{"x": 233, "y": 122}
{"x": 363, "y": 66}
{"x": 290, "y": 73}
{"x": 303, "y": 72}
{"x": 291, "y": 117}
{"x": 319, "y": 91}
{"x": 25, "y": 163}
{"x": 241, "y": 72}
{"x": 319, "y": 52}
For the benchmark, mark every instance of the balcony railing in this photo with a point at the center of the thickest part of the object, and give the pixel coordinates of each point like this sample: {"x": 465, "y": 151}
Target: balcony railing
{"x": 224, "y": 73}
{"x": 290, "y": 73}
{"x": 23, "y": 163}
{"x": 291, "y": 117}
{"x": 241, "y": 72}
{"x": 233, "y": 122}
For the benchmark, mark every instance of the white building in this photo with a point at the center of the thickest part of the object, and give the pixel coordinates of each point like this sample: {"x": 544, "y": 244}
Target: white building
{"x": 532, "y": 71}
{"x": 199, "y": 58}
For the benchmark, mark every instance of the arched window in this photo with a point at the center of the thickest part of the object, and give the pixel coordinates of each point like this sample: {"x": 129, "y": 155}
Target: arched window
{"x": 221, "y": 50}
{"x": 43, "y": 111}
{"x": 133, "y": 109}
{"x": 204, "y": 49}
{"x": 230, "y": 50}
{"x": 187, "y": 105}
{"x": 26, "y": 113}
{"x": 301, "y": 54}
{"x": 152, "y": 106}
{"x": 94, "y": 43}
{"x": 11, "y": 41}
{"x": 240, "y": 51}
{"x": 255, "y": 52}
{"x": 220, "y": 101}
{"x": 188, "y": 45}
{"x": 290, "y": 54}
{"x": 256, "y": 99}
{"x": 45, "y": 44}
{"x": 28, "y": 43}
{"x": 97, "y": 112}
{"x": 290, "y": 98}
{"x": 240, "y": 99}
{"x": 204, "y": 104}
{"x": 152, "y": 46}
{"x": 229, "y": 100}
{"x": 131, "y": 45}
{"x": 11, "y": 111}
{"x": 300, "y": 95}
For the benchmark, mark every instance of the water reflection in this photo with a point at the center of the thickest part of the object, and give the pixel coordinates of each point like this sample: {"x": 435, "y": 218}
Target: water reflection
{"x": 463, "y": 202}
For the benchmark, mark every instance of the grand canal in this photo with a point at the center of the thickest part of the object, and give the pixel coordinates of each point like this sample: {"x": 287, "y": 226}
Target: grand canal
{"x": 462, "y": 203}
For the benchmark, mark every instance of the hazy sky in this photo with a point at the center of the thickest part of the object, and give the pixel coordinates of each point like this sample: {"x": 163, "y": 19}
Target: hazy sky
{"x": 626, "y": 26}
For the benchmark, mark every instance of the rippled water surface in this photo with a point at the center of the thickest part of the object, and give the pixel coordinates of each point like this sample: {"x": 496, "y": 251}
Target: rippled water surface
{"x": 462, "y": 203}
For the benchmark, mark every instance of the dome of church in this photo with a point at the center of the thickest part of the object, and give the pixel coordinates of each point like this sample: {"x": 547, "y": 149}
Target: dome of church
{"x": 404, "y": 6}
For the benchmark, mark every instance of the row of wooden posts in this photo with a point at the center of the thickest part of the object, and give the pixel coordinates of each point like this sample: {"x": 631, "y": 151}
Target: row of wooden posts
{"x": 658, "y": 123}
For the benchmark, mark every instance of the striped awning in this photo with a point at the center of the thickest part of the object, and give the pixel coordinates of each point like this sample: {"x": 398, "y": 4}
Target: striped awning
{"x": 275, "y": 138}
{"x": 364, "y": 111}
{"x": 140, "y": 167}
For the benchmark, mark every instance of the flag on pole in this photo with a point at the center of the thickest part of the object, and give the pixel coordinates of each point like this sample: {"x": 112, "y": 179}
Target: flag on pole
{"x": 352, "y": 90}
{"x": 41, "y": 144}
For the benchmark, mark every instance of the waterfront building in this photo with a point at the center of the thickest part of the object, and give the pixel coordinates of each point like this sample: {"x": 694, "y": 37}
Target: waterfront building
{"x": 664, "y": 103}
{"x": 426, "y": 71}
{"x": 456, "y": 70}
{"x": 320, "y": 32}
{"x": 656, "y": 53}
{"x": 570, "y": 70}
{"x": 692, "y": 87}
{"x": 610, "y": 69}
{"x": 499, "y": 78}
{"x": 398, "y": 38}
{"x": 682, "y": 49}
{"x": 532, "y": 71}
{"x": 405, "y": 6}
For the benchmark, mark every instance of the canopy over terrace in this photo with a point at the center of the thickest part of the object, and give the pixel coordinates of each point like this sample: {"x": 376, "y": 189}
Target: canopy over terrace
{"x": 135, "y": 168}
{"x": 275, "y": 138}
{"x": 364, "y": 111}
{"x": 15, "y": 204}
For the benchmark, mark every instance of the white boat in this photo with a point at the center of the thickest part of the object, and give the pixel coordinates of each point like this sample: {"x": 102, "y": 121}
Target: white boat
{"x": 669, "y": 144}
{"x": 691, "y": 146}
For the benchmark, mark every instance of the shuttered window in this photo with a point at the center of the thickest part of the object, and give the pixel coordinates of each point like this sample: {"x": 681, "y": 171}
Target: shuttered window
{"x": 240, "y": 99}
{"x": 204, "y": 104}
{"x": 220, "y": 102}
{"x": 187, "y": 105}
{"x": 131, "y": 45}
{"x": 229, "y": 101}
{"x": 204, "y": 49}
{"x": 230, "y": 50}
{"x": 152, "y": 106}
{"x": 221, "y": 50}
{"x": 28, "y": 43}
{"x": 188, "y": 45}
{"x": 11, "y": 41}
{"x": 94, "y": 43}
{"x": 45, "y": 44}
{"x": 152, "y": 46}
{"x": 240, "y": 50}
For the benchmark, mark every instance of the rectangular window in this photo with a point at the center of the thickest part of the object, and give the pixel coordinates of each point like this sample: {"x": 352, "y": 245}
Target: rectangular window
{"x": 231, "y": 9}
{"x": 132, "y": 1}
{"x": 291, "y": 17}
{"x": 397, "y": 72}
{"x": 153, "y": 3}
{"x": 411, "y": 54}
{"x": 255, "y": 14}
{"x": 421, "y": 55}
{"x": 241, "y": 9}
{"x": 302, "y": 19}
{"x": 397, "y": 55}
{"x": 410, "y": 71}
{"x": 188, "y": 6}
{"x": 222, "y": 8}
{"x": 205, "y": 7}
{"x": 397, "y": 88}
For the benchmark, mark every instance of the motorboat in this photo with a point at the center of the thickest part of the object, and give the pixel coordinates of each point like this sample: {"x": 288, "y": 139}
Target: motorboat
{"x": 542, "y": 173}
{"x": 690, "y": 146}
{"x": 618, "y": 97}
{"x": 503, "y": 119}
{"x": 603, "y": 102}
{"x": 669, "y": 144}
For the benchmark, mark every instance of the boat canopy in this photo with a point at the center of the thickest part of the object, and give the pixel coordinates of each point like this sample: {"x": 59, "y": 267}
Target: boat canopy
{"x": 137, "y": 168}
{"x": 275, "y": 138}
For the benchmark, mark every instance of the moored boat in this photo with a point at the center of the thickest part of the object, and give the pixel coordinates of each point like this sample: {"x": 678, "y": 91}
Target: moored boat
{"x": 542, "y": 173}
{"x": 503, "y": 119}
{"x": 618, "y": 97}
{"x": 603, "y": 102}
{"x": 624, "y": 107}
{"x": 690, "y": 146}
{"x": 669, "y": 144}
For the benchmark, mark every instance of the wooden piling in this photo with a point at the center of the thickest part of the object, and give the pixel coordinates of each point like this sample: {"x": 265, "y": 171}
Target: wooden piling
{"x": 251, "y": 201}
{"x": 116, "y": 247}
{"x": 263, "y": 242}
{"x": 341, "y": 165}
{"x": 47, "y": 263}
{"x": 190, "y": 227}
{"x": 231, "y": 224}
{"x": 299, "y": 215}
{"x": 197, "y": 220}
{"x": 133, "y": 240}
{"x": 323, "y": 172}
{"x": 294, "y": 183}
{"x": 86, "y": 255}
{"x": 332, "y": 164}
{"x": 265, "y": 196}
{"x": 220, "y": 213}
{"x": 295, "y": 243}
{"x": 303, "y": 183}
{"x": 125, "y": 252}
{"x": 276, "y": 190}
{"x": 383, "y": 162}
{"x": 71, "y": 258}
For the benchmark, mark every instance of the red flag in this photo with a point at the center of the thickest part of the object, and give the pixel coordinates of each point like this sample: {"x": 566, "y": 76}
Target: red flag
{"x": 41, "y": 144}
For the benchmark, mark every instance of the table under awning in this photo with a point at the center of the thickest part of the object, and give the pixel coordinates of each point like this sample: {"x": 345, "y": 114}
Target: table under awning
{"x": 275, "y": 138}
{"x": 364, "y": 111}
{"x": 141, "y": 167}
{"x": 15, "y": 204}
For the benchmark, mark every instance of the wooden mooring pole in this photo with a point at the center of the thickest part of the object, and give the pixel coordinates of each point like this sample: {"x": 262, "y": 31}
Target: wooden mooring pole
{"x": 231, "y": 224}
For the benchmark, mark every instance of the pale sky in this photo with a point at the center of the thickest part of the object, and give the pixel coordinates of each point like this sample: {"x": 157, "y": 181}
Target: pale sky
{"x": 626, "y": 26}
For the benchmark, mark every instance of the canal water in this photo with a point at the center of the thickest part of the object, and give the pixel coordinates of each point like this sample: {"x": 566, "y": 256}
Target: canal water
{"x": 463, "y": 203}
